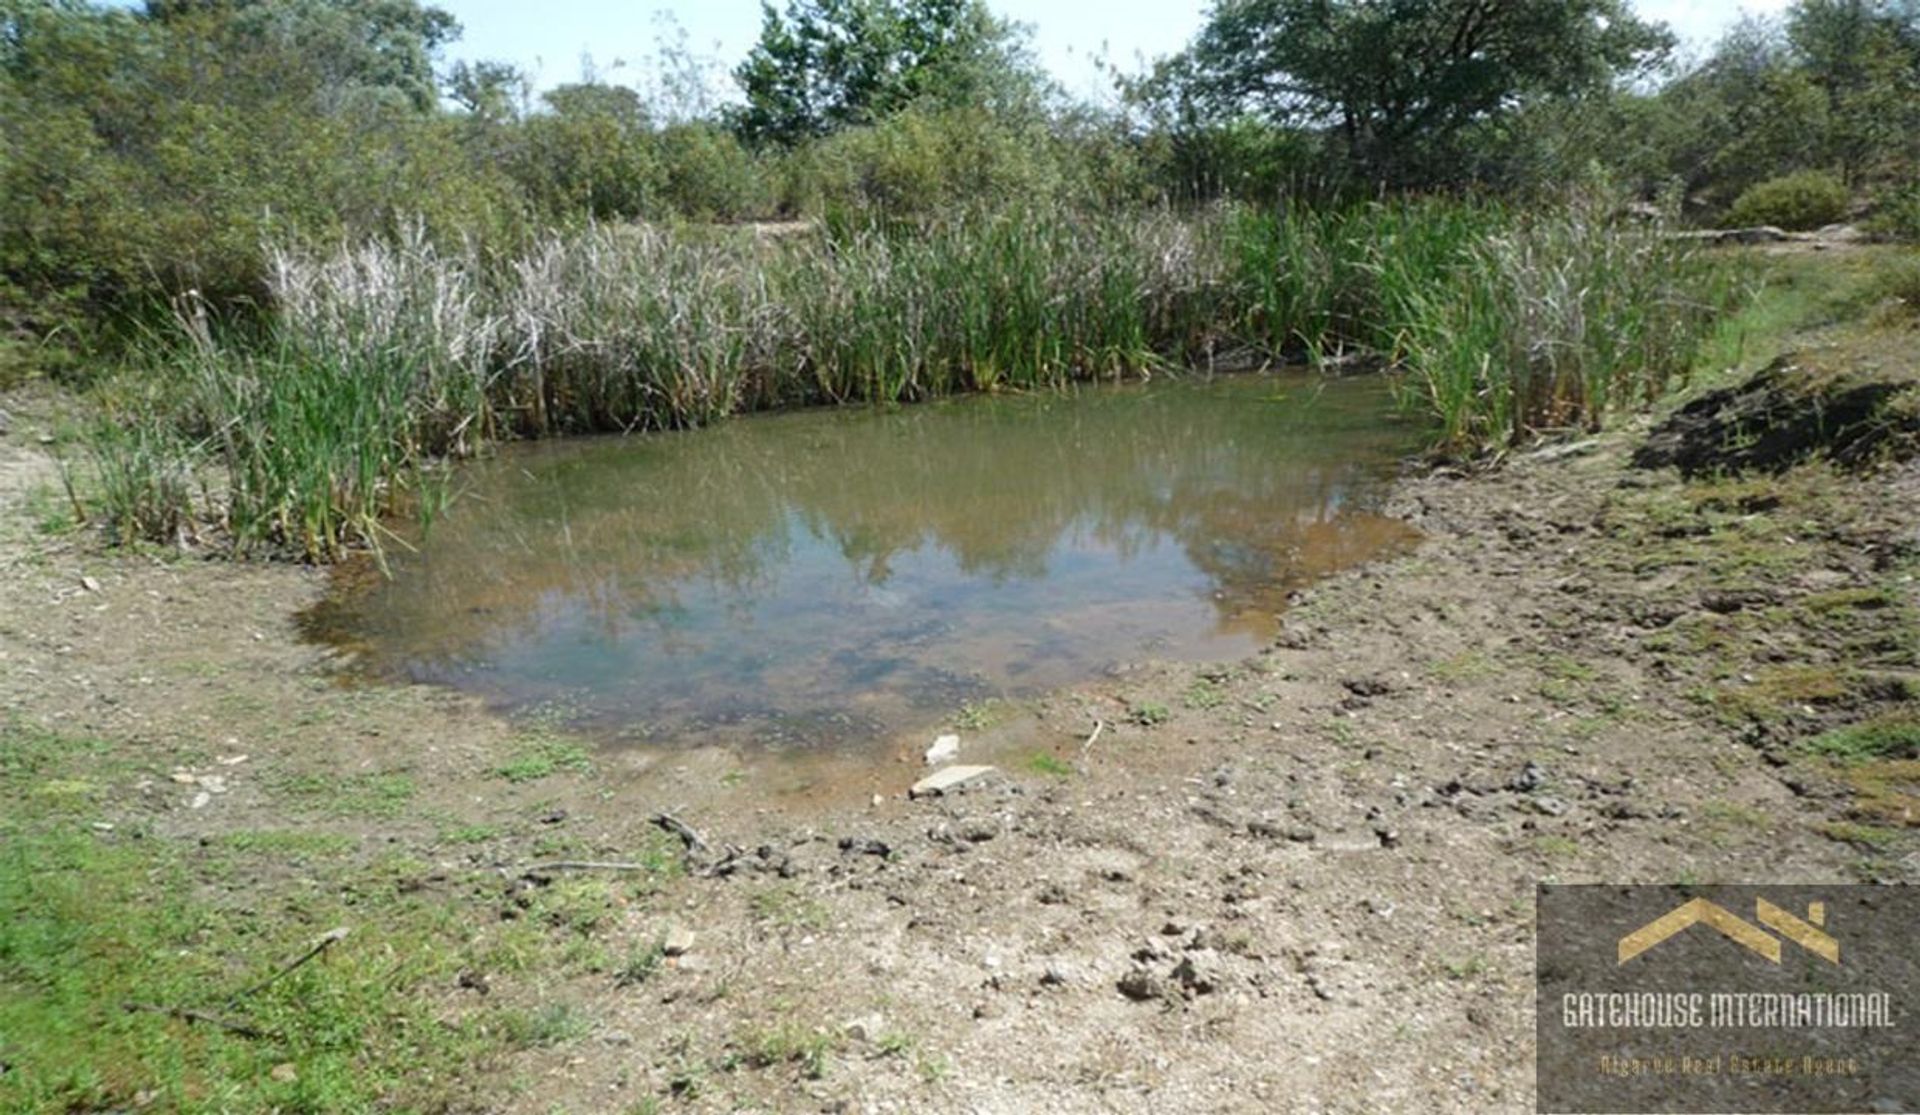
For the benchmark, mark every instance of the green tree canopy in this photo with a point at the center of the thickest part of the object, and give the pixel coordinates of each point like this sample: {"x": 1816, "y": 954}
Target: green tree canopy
{"x": 1395, "y": 81}
{"x": 830, "y": 64}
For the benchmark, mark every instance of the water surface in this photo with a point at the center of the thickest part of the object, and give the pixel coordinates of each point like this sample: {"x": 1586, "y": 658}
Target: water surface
{"x": 831, "y": 577}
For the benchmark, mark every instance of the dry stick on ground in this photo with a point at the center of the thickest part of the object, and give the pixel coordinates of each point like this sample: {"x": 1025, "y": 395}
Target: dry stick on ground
{"x": 327, "y": 940}
{"x": 583, "y": 865}
{"x": 682, "y": 830}
{"x": 1086, "y": 748}
{"x": 185, "y": 1015}
{"x": 667, "y": 821}
{"x": 243, "y": 1029}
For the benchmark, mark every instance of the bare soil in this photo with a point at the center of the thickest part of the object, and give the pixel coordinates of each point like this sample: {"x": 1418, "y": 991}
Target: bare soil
{"x": 1303, "y": 882}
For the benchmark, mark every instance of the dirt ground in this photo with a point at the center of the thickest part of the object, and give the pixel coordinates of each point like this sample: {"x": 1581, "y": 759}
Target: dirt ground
{"x": 1303, "y": 882}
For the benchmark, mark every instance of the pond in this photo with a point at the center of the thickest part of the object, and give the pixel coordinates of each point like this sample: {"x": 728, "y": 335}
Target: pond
{"x": 831, "y": 577}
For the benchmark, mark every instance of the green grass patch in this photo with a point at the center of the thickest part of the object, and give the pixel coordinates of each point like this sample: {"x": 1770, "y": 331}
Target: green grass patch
{"x": 543, "y": 756}
{"x": 373, "y": 794}
{"x": 1149, "y": 714}
{"x": 1891, "y": 735}
{"x": 1203, "y": 695}
{"x": 1049, "y": 764}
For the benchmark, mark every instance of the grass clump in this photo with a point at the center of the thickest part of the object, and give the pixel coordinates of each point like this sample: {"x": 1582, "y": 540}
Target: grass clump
{"x": 1149, "y": 714}
{"x": 1049, "y": 764}
{"x": 1893, "y": 735}
{"x": 1553, "y": 323}
{"x": 541, "y": 756}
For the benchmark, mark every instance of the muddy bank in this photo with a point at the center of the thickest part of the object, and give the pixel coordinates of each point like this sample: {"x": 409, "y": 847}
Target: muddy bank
{"x": 1301, "y": 882}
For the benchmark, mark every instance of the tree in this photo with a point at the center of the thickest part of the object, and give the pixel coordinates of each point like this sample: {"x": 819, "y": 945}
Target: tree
{"x": 1864, "y": 58}
{"x": 592, "y": 151}
{"x": 831, "y": 64}
{"x": 489, "y": 91}
{"x": 1397, "y": 81}
{"x": 379, "y": 46}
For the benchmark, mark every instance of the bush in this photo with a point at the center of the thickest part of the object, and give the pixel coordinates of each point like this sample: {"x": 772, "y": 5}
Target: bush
{"x": 920, "y": 163}
{"x": 1808, "y": 200}
{"x": 1897, "y": 217}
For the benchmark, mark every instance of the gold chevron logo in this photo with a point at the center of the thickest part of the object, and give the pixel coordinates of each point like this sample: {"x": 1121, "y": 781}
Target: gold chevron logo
{"x": 1807, "y": 934}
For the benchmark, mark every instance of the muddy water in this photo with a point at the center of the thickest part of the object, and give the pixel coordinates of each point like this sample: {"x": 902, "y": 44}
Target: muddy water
{"x": 832, "y": 577}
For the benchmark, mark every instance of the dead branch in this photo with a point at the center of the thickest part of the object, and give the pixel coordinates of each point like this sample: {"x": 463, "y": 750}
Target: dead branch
{"x": 326, "y": 941}
{"x": 681, "y": 829}
{"x": 183, "y": 1014}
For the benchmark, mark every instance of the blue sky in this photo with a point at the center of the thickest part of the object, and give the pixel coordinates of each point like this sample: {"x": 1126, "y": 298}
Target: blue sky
{"x": 548, "y": 39}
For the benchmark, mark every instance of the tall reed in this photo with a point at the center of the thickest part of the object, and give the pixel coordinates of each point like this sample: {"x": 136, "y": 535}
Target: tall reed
{"x": 385, "y": 355}
{"x": 1554, "y": 322}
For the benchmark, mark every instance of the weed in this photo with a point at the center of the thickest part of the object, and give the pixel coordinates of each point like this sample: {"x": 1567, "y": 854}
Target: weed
{"x": 1871, "y": 837}
{"x": 1892, "y": 735}
{"x": 550, "y": 1025}
{"x": 640, "y": 965}
{"x": 1204, "y": 695}
{"x": 1049, "y": 764}
{"x": 355, "y": 795}
{"x": 1149, "y": 714}
{"x": 542, "y": 756}
{"x": 788, "y": 908}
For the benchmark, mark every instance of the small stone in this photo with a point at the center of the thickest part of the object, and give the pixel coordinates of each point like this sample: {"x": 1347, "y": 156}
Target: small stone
{"x": 944, "y": 750}
{"x": 200, "y": 800}
{"x": 1551, "y": 806}
{"x": 1141, "y": 985}
{"x": 853, "y": 845}
{"x": 284, "y": 1072}
{"x": 1198, "y": 972}
{"x": 866, "y": 1028}
{"x": 616, "y": 1038}
{"x": 679, "y": 941}
{"x": 1531, "y": 778}
{"x": 89, "y": 584}
{"x": 948, "y": 779}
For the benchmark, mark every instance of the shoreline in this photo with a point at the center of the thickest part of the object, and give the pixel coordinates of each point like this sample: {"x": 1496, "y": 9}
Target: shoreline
{"x": 1586, "y": 671}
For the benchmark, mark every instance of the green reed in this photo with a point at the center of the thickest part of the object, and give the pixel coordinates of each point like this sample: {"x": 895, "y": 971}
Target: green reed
{"x": 385, "y": 356}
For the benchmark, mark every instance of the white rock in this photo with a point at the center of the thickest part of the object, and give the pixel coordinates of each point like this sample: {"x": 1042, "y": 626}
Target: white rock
{"x": 679, "y": 941}
{"x": 944, "y": 750}
{"x": 947, "y": 778}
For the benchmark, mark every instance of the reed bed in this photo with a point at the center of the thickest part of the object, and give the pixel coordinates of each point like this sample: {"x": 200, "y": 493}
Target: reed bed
{"x": 383, "y": 357}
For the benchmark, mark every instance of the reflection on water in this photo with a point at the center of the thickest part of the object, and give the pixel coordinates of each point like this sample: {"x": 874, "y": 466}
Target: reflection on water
{"x": 832, "y": 576}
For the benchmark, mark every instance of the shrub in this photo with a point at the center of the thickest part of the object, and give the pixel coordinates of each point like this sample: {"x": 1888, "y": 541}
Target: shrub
{"x": 1897, "y": 217}
{"x": 1810, "y": 199}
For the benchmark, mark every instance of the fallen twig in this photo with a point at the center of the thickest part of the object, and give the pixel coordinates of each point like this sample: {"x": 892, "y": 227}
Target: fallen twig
{"x": 583, "y": 865}
{"x": 327, "y": 940}
{"x": 183, "y": 1014}
{"x": 682, "y": 830}
{"x": 1086, "y": 748}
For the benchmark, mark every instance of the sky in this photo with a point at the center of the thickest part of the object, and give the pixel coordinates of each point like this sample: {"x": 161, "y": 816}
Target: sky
{"x": 549, "y": 39}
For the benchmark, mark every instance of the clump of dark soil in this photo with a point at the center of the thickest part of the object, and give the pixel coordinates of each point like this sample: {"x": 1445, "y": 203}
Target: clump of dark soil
{"x": 1786, "y": 414}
